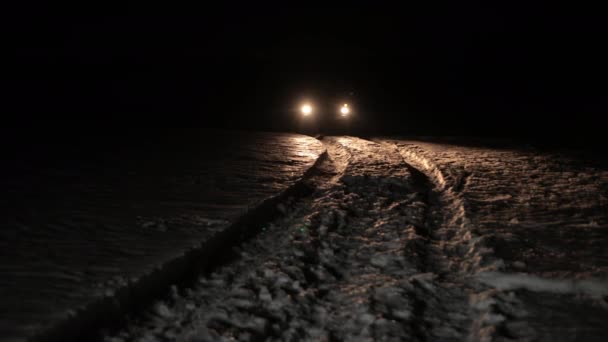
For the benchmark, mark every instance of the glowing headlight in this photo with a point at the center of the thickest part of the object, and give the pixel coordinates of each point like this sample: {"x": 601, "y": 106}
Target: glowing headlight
{"x": 344, "y": 110}
{"x": 306, "y": 109}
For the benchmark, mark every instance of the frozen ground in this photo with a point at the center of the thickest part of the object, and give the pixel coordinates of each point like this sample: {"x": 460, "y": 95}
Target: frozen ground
{"x": 75, "y": 232}
{"x": 534, "y": 228}
{"x": 406, "y": 240}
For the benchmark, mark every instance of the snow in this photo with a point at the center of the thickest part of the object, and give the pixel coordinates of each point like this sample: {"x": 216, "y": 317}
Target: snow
{"x": 408, "y": 240}
{"x": 75, "y": 232}
{"x": 334, "y": 266}
{"x": 512, "y": 209}
{"x": 591, "y": 287}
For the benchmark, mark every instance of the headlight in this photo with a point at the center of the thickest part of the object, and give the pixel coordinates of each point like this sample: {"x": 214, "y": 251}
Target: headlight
{"x": 344, "y": 110}
{"x": 306, "y": 109}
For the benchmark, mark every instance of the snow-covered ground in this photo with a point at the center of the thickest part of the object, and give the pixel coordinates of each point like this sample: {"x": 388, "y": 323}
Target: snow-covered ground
{"x": 334, "y": 266}
{"x": 75, "y": 232}
{"x": 533, "y": 227}
{"x": 399, "y": 240}
{"x": 407, "y": 240}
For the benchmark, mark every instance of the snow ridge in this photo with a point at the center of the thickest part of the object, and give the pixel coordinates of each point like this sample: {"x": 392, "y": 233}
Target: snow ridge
{"x": 180, "y": 270}
{"x": 463, "y": 254}
{"x": 455, "y": 228}
{"x": 415, "y": 156}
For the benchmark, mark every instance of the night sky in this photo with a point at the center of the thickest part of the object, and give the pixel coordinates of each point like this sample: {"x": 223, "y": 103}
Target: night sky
{"x": 414, "y": 69}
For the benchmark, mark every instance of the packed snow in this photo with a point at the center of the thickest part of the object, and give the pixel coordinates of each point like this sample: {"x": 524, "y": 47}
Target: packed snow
{"x": 410, "y": 240}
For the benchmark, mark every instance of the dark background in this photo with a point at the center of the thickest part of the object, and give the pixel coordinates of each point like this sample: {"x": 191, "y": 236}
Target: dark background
{"x": 532, "y": 71}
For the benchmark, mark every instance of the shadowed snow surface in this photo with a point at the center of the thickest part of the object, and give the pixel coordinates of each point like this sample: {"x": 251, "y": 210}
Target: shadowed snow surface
{"x": 73, "y": 233}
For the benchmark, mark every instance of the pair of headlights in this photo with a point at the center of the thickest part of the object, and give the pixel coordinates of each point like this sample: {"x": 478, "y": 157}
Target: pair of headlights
{"x": 307, "y": 109}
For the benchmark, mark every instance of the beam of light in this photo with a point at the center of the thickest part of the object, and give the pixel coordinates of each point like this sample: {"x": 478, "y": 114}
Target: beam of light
{"x": 306, "y": 109}
{"x": 304, "y": 147}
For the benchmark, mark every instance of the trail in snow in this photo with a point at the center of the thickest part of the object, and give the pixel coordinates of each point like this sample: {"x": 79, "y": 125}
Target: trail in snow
{"x": 348, "y": 263}
{"x": 403, "y": 240}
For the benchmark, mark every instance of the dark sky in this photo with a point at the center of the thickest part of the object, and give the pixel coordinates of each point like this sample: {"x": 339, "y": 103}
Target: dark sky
{"x": 426, "y": 69}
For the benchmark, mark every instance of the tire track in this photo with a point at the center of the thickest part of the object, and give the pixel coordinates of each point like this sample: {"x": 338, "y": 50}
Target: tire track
{"x": 446, "y": 310}
{"x": 347, "y": 263}
{"x": 529, "y": 254}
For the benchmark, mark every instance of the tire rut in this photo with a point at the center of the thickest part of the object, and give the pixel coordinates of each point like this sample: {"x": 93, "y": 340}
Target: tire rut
{"x": 444, "y": 309}
{"x": 353, "y": 261}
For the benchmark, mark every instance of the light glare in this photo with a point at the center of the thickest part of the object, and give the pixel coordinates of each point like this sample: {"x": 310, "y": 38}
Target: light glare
{"x": 306, "y": 109}
{"x": 344, "y": 110}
